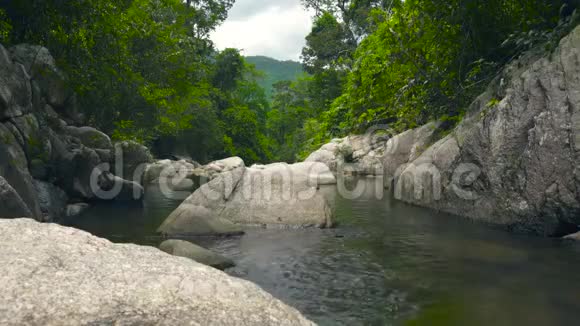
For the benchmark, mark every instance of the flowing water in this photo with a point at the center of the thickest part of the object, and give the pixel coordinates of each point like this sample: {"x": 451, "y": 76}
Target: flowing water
{"x": 387, "y": 263}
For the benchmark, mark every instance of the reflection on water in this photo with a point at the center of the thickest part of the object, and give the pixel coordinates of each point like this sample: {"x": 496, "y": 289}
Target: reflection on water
{"x": 387, "y": 263}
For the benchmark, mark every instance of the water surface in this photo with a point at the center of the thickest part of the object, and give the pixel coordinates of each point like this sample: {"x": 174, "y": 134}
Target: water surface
{"x": 387, "y": 263}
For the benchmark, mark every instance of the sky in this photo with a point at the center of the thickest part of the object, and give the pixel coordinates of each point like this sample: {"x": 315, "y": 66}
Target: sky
{"x": 274, "y": 28}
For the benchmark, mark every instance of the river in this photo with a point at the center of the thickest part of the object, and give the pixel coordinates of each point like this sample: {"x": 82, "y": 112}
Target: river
{"x": 387, "y": 263}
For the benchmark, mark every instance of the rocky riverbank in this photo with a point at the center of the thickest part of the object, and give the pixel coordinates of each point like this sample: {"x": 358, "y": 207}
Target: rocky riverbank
{"x": 512, "y": 161}
{"x": 50, "y": 164}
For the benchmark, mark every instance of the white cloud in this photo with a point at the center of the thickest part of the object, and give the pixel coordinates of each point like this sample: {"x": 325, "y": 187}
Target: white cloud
{"x": 263, "y": 27}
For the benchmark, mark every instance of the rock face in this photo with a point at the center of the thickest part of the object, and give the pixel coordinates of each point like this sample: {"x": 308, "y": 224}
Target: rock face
{"x": 41, "y": 66}
{"x": 14, "y": 169}
{"x": 201, "y": 255}
{"x": 185, "y": 175}
{"x": 178, "y": 175}
{"x": 513, "y": 161}
{"x": 53, "y": 200}
{"x": 278, "y": 194}
{"x": 66, "y": 269}
{"x": 36, "y": 144}
{"x": 90, "y": 137}
{"x": 15, "y": 90}
{"x": 224, "y": 165}
{"x": 197, "y": 220}
{"x": 12, "y": 205}
{"x": 135, "y": 158}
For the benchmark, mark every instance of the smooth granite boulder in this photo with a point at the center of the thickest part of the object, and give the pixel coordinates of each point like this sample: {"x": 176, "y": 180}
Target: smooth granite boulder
{"x": 54, "y": 275}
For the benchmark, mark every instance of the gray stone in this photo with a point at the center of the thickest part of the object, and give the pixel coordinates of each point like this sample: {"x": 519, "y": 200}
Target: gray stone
{"x": 41, "y": 66}
{"x": 197, "y": 220}
{"x": 225, "y": 165}
{"x": 74, "y": 278}
{"x": 53, "y": 200}
{"x": 14, "y": 168}
{"x": 35, "y": 142}
{"x": 572, "y": 237}
{"x": 513, "y": 160}
{"x": 15, "y": 91}
{"x": 74, "y": 210}
{"x": 131, "y": 160}
{"x": 12, "y": 206}
{"x": 199, "y": 254}
{"x": 113, "y": 187}
{"x": 74, "y": 168}
{"x": 279, "y": 195}
{"x": 90, "y": 137}
{"x": 274, "y": 195}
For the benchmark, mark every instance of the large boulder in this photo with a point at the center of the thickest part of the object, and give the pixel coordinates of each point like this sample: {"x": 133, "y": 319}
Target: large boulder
{"x": 177, "y": 175}
{"x": 90, "y": 137}
{"x": 224, "y": 165}
{"x": 197, "y": 220}
{"x": 53, "y": 201}
{"x": 12, "y": 205}
{"x": 131, "y": 159}
{"x": 282, "y": 194}
{"x": 35, "y": 143}
{"x": 353, "y": 155}
{"x": 74, "y": 278}
{"x": 112, "y": 187}
{"x": 278, "y": 194}
{"x": 406, "y": 147}
{"x": 201, "y": 255}
{"x": 513, "y": 160}
{"x": 14, "y": 168}
{"x": 15, "y": 90}
{"x": 331, "y": 154}
{"x": 74, "y": 166}
{"x": 41, "y": 67}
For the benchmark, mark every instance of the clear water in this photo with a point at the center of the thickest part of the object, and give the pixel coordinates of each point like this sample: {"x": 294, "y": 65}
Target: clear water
{"x": 387, "y": 263}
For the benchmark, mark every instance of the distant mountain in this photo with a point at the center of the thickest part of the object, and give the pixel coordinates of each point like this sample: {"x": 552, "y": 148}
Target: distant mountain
{"x": 275, "y": 71}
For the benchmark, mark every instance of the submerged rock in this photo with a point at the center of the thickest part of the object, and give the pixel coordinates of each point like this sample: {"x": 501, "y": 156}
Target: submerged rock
{"x": 74, "y": 210}
{"x": 74, "y": 278}
{"x": 199, "y": 254}
{"x": 572, "y": 237}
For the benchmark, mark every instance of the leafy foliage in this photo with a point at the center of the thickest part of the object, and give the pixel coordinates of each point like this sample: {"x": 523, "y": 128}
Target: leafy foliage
{"x": 416, "y": 60}
{"x": 146, "y": 70}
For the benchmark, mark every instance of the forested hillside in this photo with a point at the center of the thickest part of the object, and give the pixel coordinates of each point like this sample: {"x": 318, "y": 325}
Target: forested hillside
{"x": 274, "y": 71}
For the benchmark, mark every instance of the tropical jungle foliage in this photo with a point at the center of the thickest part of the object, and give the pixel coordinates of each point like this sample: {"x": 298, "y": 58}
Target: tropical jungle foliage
{"x": 404, "y": 63}
{"x": 147, "y": 70}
